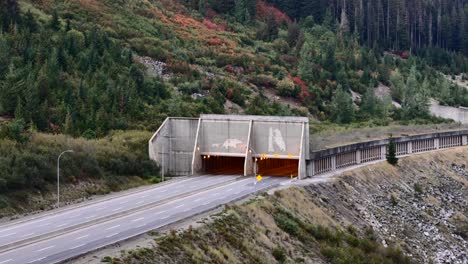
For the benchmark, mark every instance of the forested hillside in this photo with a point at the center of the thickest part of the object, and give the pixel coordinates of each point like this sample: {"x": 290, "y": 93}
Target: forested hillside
{"x": 85, "y": 68}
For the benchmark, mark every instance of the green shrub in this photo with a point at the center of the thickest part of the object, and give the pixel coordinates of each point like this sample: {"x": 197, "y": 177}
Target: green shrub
{"x": 279, "y": 254}
{"x": 418, "y": 188}
{"x": 393, "y": 200}
{"x": 288, "y": 225}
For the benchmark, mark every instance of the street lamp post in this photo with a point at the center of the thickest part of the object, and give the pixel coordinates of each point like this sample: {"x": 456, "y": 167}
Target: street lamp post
{"x": 58, "y": 176}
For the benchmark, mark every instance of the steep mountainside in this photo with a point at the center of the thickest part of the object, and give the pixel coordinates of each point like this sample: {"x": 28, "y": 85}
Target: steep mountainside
{"x": 368, "y": 215}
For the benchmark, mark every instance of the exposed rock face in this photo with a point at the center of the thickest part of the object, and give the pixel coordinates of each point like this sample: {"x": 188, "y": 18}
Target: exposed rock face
{"x": 154, "y": 67}
{"x": 422, "y": 204}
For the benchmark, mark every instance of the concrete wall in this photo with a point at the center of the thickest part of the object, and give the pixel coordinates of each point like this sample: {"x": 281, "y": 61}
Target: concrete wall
{"x": 179, "y": 143}
{"x": 173, "y": 144}
{"x": 345, "y": 156}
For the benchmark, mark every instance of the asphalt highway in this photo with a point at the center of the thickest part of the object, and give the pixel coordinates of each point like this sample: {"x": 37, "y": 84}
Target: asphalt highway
{"x": 71, "y": 244}
{"x": 70, "y": 218}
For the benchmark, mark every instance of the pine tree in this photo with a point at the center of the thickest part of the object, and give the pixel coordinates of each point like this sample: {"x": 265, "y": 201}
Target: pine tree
{"x": 391, "y": 154}
{"x": 68, "y": 125}
{"x": 398, "y": 86}
{"x": 342, "y": 108}
{"x": 9, "y": 14}
{"x": 55, "y": 21}
{"x": 293, "y": 33}
{"x": 344, "y": 23}
{"x": 19, "y": 111}
{"x": 416, "y": 100}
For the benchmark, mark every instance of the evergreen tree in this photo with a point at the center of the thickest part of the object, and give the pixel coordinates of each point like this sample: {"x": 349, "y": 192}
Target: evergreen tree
{"x": 68, "y": 125}
{"x": 391, "y": 154}
{"x": 54, "y": 23}
{"x": 342, "y": 108}
{"x": 398, "y": 86}
{"x": 9, "y": 13}
{"x": 293, "y": 34}
{"x": 416, "y": 101}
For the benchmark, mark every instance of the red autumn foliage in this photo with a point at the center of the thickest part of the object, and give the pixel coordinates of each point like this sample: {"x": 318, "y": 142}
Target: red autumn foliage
{"x": 298, "y": 81}
{"x": 304, "y": 94}
{"x": 210, "y": 25}
{"x": 215, "y": 41}
{"x": 264, "y": 10}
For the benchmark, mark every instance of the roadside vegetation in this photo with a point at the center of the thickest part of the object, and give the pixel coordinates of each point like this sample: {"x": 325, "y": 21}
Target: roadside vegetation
{"x": 28, "y": 168}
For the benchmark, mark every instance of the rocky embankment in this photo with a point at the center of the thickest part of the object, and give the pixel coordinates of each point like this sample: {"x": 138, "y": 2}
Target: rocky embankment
{"x": 413, "y": 213}
{"x": 421, "y": 205}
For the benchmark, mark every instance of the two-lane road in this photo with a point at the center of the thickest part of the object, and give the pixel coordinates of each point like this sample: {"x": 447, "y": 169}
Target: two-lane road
{"x": 86, "y": 239}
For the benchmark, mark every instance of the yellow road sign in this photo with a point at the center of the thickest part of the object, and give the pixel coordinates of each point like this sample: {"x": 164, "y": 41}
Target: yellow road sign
{"x": 276, "y": 155}
{"x": 259, "y": 177}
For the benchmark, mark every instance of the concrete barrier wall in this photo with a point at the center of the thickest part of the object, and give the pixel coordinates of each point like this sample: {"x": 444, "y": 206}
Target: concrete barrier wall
{"x": 172, "y": 145}
{"x": 345, "y": 156}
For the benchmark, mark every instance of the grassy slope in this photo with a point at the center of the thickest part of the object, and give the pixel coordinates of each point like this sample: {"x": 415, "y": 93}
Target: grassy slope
{"x": 113, "y": 163}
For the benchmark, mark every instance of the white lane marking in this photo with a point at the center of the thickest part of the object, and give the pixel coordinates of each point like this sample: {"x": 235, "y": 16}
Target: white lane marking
{"x": 117, "y": 209}
{"x": 89, "y": 217}
{"x": 44, "y": 249}
{"x": 62, "y": 225}
{"x": 139, "y": 219}
{"x": 27, "y": 235}
{"x": 7, "y": 235}
{"x": 140, "y": 226}
{"x": 46, "y": 224}
{"x": 32, "y": 261}
{"x": 124, "y": 202}
{"x": 140, "y": 202}
{"x": 165, "y": 217}
{"x": 113, "y": 227}
{"x": 229, "y": 190}
{"x": 81, "y": 237}
{"x": 77, "y": 246}
{"x": 161, "y": 212}
{"x": 5, "y": 261}
{"x": 207, "y": 203}
{"x": 179, "y": 206}
{"x": 215, "y": 194}
{"x": 199, "y": 199}
{"x": 112, "y": 235}
{"x": 143, "y": 196}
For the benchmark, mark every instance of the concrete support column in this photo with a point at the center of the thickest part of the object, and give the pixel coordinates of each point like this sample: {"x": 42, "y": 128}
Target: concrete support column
{"x": 410, "y": 147}
{"x": 302, "y": 170}
{"x": 248, "y": 164}
{"x": 333, "y": 162}
{"x": 358, "y": 156}
{"x": 312, "y": 165}
{"x": 197, "y": 163}
{"x": 464, "y": 140}
{"x": 437, "y": 143}
{"x": 383, "y": 152}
